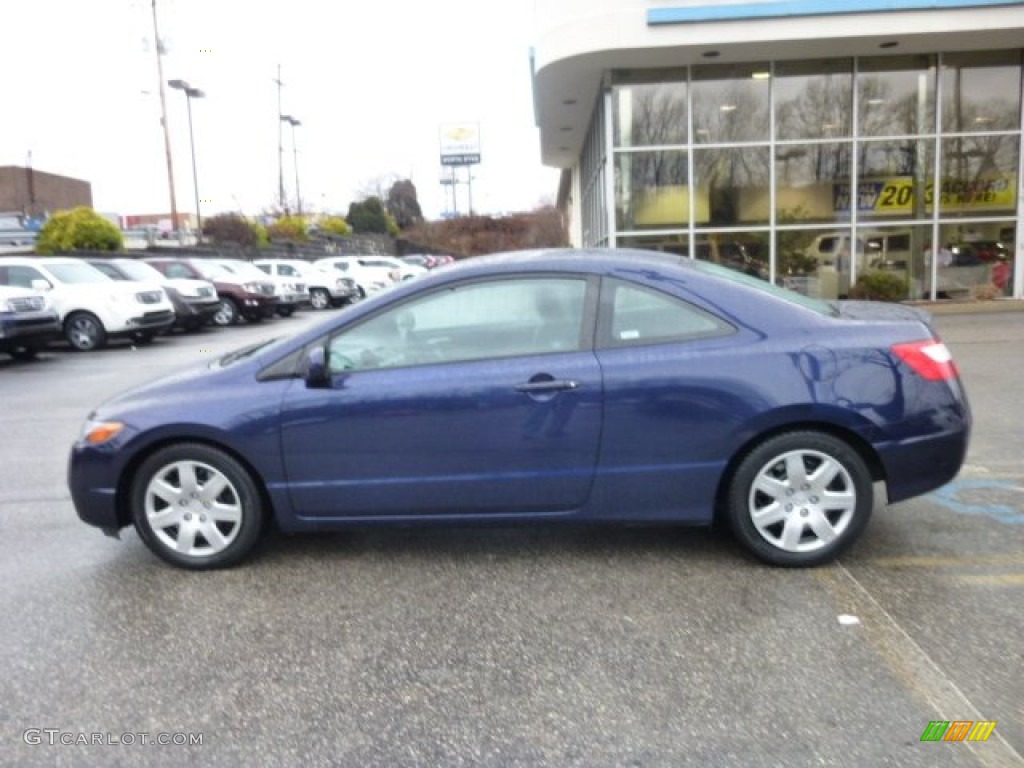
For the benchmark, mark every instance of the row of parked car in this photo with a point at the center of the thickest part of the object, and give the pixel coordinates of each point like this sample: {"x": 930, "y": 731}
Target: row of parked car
{"x": 89, "y": 301}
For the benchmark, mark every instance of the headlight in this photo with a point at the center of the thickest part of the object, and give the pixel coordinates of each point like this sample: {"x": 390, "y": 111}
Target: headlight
{"x": 252, "y": 287}
{"x": 100, "y": 432}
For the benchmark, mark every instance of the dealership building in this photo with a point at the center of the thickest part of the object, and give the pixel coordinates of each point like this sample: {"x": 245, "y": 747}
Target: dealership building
{"x": 819, "y": 143}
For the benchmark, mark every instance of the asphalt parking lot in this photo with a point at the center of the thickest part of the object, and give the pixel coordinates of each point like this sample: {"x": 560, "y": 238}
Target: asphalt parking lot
{"x": 557, "y": 646}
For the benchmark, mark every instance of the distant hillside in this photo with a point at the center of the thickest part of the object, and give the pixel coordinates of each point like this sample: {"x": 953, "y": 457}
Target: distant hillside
{"x": 477, "y": 235}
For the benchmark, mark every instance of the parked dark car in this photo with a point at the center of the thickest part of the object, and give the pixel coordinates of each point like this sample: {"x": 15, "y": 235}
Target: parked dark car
{"x": 27, "y": 322}
{"x": 195, "y": 301}
{"x": 239, "y": 297}
{"x": 612, "y": 386}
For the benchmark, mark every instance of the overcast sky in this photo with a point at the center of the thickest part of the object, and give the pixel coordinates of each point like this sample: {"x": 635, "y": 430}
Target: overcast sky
{"x": 370, "y": 81}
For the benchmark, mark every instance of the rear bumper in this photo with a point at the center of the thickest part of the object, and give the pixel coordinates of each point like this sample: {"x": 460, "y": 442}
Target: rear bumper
{"x": 915, "y": 467}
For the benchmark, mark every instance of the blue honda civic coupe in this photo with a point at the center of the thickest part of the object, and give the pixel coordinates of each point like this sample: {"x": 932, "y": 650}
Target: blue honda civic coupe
{"x": 603, "y": 385}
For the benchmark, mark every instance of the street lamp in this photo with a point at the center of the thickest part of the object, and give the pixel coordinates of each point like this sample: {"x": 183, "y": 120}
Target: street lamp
{"x": 192, "y": 93}
{"x": 293, "y": 122}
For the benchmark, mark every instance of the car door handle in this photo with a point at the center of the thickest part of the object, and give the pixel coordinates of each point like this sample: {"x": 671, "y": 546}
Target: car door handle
{"x": 549, "y": 385}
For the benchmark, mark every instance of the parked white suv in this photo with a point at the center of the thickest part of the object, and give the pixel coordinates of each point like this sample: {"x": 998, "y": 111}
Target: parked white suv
{"x": 91, "y": 306}
{"x": 402, "y": 269}
{"x": 326, "y": 288}
{"x": 289, "y": 292}
{"x": 369, "y": 279}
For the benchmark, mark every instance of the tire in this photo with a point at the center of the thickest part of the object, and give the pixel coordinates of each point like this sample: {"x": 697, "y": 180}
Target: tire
{"x": 227, "y": 313}
{"x": 285, "y": 311}
{"x": 24, "y": 353}
{"x": 319, "y": 298}
{"x": 799, "y": 499}
{"x": 84, "y": 331}
{"x": 179, "y": 524}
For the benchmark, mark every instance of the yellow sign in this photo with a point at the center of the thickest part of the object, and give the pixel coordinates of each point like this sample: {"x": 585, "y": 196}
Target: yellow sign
{"x": 895, "y": 195}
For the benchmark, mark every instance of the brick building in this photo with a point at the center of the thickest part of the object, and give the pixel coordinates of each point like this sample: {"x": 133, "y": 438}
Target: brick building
{"x": 36, "y": 193}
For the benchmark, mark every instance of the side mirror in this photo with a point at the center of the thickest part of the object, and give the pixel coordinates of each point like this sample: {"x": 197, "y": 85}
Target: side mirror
{"x": 41, "y": 285}
{"x": 317, "y": 376}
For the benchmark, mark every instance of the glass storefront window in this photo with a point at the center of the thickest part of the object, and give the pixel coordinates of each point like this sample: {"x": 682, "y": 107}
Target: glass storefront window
{"x": 976, "y": 255}
{"x": 981, "y": 91}
{"x": 812, "y": 182}
{"x": 651, "y": 190}
{"x": 896, "y": 95}
{"x": 979, "y": 176}
{"x": 732, "y": 185}
{"x": 891, "y": 174}
{"x": 731, "y": 103}
{"x": 813, "y": 99}
{"x": 650, "y": 114}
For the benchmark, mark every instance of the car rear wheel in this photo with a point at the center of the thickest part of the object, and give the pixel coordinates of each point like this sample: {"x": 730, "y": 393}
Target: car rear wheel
{"x": 227, "y": 312}
{"x": 319, "y": 298}
{"x": 84, "y": 331}
{"x": 799, "y": 499}
{"x": 197, "y": 507}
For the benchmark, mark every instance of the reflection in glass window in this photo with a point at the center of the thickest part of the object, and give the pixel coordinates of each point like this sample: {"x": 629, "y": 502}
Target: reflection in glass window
{"x": 528, "y": 316}
{"x": 979, "y": 176}
{"x": 731, "y": 103}
{"x": 650, "y": 114}
{"x": 812, "y": 182}
{"x": 734, "y": 183}
{"x": 813, "y": 99}
{"x": 651, "y": 189}
{"x": 981, "y": 91}
{"x": 892, "y": 175}
{"x": 896, "y": 95}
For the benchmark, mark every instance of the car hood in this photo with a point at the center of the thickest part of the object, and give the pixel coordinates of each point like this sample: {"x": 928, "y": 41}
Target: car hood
{"x": 187, "y": 286}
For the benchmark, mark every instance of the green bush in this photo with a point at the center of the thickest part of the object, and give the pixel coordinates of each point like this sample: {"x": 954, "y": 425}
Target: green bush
{"x": 334, "y": 225}
{"x": 294, "y": 228}
{"x": 80, "y": 229}
{"x": 879, "y": 286}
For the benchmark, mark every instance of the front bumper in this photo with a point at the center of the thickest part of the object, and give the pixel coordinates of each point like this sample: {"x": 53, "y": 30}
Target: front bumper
{"x": 92, "y": 480}
{"x": 28, "y": 329}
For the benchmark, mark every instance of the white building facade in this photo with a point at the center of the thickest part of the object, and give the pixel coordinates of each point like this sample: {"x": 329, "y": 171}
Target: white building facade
{"x": 820, "y": 143}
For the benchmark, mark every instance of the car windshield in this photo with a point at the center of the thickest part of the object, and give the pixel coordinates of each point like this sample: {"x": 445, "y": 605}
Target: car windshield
{"x": 244, "y": 269}
{"x": 71, "y": 272}
{"x": 211, "y": 270}
{"x": 136, "y": 270}
{"x": 816, "y": 305}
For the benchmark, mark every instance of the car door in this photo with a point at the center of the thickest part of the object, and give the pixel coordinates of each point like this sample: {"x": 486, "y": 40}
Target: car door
{"x": 672, "y": 402}
{"x": 482, "y": 398}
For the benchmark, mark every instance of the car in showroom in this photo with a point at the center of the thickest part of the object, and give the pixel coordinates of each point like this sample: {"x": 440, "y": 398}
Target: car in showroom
{"x": 326, "y": 288}
{"x": 239, "y": 297}
{"x": 27, "y": 322}
{"x": 92, "y": 307}
{"x": 605, "y": 386}
{"x": 195, "y": 301}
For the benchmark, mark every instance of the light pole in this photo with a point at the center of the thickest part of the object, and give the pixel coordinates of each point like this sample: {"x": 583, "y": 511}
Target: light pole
{"x": 293, "y": 122}
{"x": 158, "y": 44}
{"x": 192, "y": 93}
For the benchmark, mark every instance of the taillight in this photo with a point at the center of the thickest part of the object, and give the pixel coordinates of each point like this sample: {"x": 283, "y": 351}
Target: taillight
{"x": 930, "y": 359}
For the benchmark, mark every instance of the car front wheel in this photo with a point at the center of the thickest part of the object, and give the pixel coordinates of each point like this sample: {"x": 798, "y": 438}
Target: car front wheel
{"x": 319, "y": 298}
{"x": 800, "y": 499}
{"x": 196, "y": 506}
{"x": 227, "y": 313}
{"x": 84, "y": 331}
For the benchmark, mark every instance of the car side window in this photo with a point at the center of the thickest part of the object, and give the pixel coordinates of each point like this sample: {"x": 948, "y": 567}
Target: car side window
{"x": 634, "y": 315}
{"x": 498, "y": 318}
{"x": 22, "y": 277}
{"x": 178, "y": 270}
